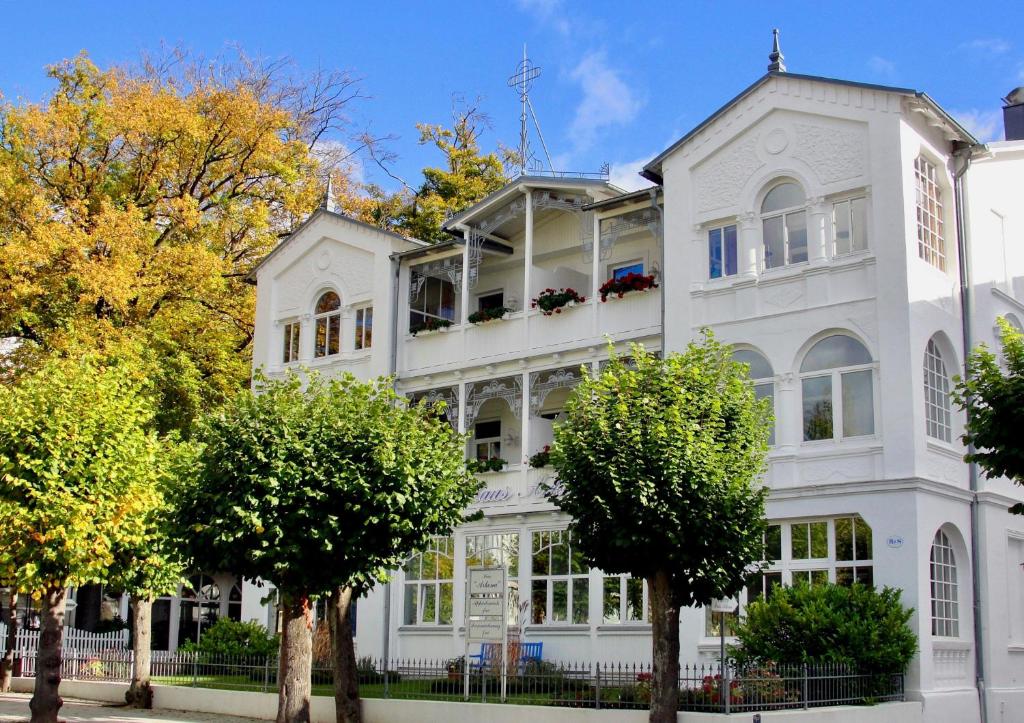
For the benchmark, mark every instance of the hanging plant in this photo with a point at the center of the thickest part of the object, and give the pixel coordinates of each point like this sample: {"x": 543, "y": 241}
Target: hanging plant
{"x": 552, "y": 301}
{"x": 625, "y": 284}
{"x": 484, "y": 315}
{"x": 429, "y": 325}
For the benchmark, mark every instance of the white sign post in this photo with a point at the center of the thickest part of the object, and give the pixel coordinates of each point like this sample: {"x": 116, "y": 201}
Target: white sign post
{"x": 486, "y": 598}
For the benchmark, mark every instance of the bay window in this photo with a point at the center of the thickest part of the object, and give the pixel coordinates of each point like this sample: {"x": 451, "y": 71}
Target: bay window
{"x": 784, "y": 226}
{"x": 328, "y": 325}
{"x": 560, "y": 591}
{"x": 931, "y": 242}
{"x": 849, "y": 226}
{"x": 433, "y": 302}
{"x": 838, "y": 390}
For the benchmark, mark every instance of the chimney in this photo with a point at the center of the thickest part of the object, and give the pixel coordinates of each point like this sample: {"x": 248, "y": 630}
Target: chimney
{"x": 1013, "y": 115}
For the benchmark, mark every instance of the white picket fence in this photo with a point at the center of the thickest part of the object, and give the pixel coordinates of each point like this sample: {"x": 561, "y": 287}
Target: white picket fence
{"x": 77, "y": 643}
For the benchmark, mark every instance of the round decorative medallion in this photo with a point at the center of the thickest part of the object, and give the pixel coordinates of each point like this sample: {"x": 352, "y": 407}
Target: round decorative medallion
{"x": 323, "y": 260}
{"x": 776, "y": 141}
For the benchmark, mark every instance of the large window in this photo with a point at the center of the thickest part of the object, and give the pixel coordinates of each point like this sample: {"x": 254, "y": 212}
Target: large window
{"x": 429, "y": 578}
{"x": 435, "y": 300}
{"x": 498, "y": 550}
{"x": 723, "y": 255}
{"x": 291, "y": 342}
{"x": 931, "y": 242}
{"x": 784, "y": 226}
{"x": 328, "y": 325}
{"x": 364, "y": 328}
{"x": 560, "y": 591}
{"x": 761, "y": 374}
{"x": 199, "y": 608}
{"x": 938, "y": 417}
{"x": 624, "y": 600}
{"x": 945, "y": 608}
{"x": 838, "y": 391}
{"x": 849, "y": 226}
{"x": 487, "y": 440}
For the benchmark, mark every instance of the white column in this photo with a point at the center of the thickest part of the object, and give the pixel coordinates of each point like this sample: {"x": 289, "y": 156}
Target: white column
{"x": 527, "y": 267}
{"x": 307, "y": 334}
{"x": 462, "y": 407}
{"x": 347, "y": 342}
{"x": 464, "y": 318}
{"x": 524, "y": 445}
{"x": 818, "y": 228}
{"x": 595, "y": 272}
{"x": 749, "y": 244}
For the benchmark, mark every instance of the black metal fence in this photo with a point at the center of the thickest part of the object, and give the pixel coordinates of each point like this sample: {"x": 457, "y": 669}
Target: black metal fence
{"x": 706, "y": 688}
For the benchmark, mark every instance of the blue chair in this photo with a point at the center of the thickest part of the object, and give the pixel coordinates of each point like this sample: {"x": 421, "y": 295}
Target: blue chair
{"x": 490, "y": 655}
{"x": 530, "y": 652}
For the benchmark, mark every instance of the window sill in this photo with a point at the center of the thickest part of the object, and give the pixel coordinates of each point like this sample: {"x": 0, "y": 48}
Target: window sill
{"x": 558, "y": 629}
{"x": 946, "y": 449}
{"x": 624, "y": 628}
{"x": 950, "y": 644}
{"x": 708, "y": 644}
{"x": 425, "y": 629}
{"x": 844, "y": 445}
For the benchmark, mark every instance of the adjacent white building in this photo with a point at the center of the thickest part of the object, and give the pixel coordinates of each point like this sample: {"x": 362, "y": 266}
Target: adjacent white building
{"x": 822, "y": 227}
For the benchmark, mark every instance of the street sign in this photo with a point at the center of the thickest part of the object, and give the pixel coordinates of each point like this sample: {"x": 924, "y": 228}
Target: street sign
{"x": 724, "y": 605}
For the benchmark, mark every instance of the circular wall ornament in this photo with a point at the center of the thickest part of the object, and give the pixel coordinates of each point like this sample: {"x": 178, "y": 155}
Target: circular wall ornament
{"x": 323, "y": 260}
{"x": 776, "y": 141}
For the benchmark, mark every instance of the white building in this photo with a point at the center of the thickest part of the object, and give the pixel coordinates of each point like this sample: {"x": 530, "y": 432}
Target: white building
{"x": 810, "y": 222}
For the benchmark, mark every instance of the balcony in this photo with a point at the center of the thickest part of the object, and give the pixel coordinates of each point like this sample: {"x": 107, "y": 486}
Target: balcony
{"x": 514, "y": 490}
{"x": 525, "y": 333}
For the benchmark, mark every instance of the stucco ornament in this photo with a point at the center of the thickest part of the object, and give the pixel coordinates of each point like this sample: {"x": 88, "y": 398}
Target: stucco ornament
{"x": 720, "y": 179}
{"x": 835, "y": 154}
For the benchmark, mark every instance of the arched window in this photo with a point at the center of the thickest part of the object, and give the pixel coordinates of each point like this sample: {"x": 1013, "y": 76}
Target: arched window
{"x": 936, "y": 394}
{"x": 784, "y": 225}
{"x": 837, "y": 363}
{"x": 235, "y": 601}
{"x": 761, "y": 374}
{"x": 328, "y": 325}
{"x": 200, "y": 607}
{"x": 945, "y": 608}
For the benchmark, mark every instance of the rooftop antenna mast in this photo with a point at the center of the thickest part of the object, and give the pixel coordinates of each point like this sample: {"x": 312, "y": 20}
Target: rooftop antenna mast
{"x": 522, "y": 81}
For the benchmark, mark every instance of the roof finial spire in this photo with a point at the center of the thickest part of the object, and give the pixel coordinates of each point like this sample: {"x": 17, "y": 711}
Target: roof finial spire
{"x": 776, "y": 65}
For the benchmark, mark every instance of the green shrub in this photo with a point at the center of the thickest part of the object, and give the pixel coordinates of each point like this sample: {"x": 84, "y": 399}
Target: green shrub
{"x": 227, "y": 638}
{"x": 856, "y": 625}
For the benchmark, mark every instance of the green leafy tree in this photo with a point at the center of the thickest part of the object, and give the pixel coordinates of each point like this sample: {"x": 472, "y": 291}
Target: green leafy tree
{"x": 856, "y": 624}
{"x": 993, "y": 397}
{"x": 321, "y": 489}
{"x": 658, "y": 463}
{"x": 78, "y": 478}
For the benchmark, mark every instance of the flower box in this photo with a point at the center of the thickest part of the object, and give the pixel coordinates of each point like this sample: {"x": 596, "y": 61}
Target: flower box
{"x": 494, "y": 464}
{"x": 431, "y": 326}
{"x": 484, "y": 315}
{"x": 552, "y": 301}
{"x": 542, "y": 458}
{"x": 617, "y": 288}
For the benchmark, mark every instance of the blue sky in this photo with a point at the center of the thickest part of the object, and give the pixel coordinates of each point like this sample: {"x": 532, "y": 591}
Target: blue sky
{"x": 620, "y": 81}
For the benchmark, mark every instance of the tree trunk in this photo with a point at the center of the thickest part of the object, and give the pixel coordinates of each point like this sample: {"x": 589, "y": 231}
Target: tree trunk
{"x": 295, "y": 667}
{"x": 46, "y": 700}
{"x": 665, "y": 634}
{"x": 140, "y": 694}
{"x": 346, "y": 684}
{"x": 7, "y": 664}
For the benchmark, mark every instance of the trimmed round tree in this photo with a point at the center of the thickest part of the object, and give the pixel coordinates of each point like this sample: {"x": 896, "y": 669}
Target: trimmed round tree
{"x": 658, "y": 463}
{"x": 78, "y": 478}
{"x": 321, "y": 487}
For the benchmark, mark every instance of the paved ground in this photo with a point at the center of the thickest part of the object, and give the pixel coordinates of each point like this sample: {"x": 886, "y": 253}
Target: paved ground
{"x": 14, "y": 708}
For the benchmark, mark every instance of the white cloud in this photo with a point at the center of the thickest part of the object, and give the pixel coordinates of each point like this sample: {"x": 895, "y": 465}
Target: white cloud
{"x": 607, "y": 100}
{"x": 549, "y": 13}
{"x": 881, "y": 66}
{"x": 626, "y": 174}
{"x": 985, "y": 125}
{"x": 987, "y": 46}
{"x": 336, "y": 154}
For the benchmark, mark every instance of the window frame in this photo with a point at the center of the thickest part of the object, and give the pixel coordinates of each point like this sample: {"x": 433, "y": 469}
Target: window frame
{"x": 784, "y": 214}
{"x": 850, "y": 200}
{"x": 722, "y": 250}
{"x": 623, "y": 618}
{"x": 327, "y": 319}
{"x": 439, "y": 546}
{"x": 480, "y": 297}
{"x": 477, "y": 441}
{"x": 938, "y": 417}
{"x": 553, "y": 578}
{"x": 292, "y": 341}
{"x": 359, "y": 315}
{"x": 932, "y": 246}
{"x": 835, "y": 376}
{"x": 424, "y": 294}
{"x": 761, "y": 383}
{"x": 615, "y": 267}
{"x": 949, "y": 583}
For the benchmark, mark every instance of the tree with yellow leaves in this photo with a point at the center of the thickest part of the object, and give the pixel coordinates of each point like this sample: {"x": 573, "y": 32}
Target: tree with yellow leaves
{"x": 134, "y": 201}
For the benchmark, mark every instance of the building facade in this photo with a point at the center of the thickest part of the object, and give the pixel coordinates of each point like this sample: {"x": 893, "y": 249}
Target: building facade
{"x": 849, "y": 240}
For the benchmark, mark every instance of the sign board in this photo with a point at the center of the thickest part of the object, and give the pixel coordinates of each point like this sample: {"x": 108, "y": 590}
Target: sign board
{"x": 486, "y": 607}
{"x": 894, "y": 541}
{"x": 487, "y": 581}
{"x": 485, "y": 630}
{"x": 724, "y": 605}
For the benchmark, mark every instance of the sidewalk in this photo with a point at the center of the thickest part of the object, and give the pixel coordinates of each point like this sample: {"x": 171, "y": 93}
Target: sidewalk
{"x": 14, "y": 708}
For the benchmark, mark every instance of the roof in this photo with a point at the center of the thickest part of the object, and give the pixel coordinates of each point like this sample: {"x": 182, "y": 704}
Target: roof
{"x": 251, "y": 276}
{"x": 622, "y": 199}
{"x": 525, "y": 180}
{"x": 652, "y": 170}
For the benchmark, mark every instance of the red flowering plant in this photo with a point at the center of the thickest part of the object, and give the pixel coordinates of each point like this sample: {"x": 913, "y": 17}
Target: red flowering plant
{"x": 551, "y": 301}
{"x": 542, "y": 458}
{"x": 624, "y": 284}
